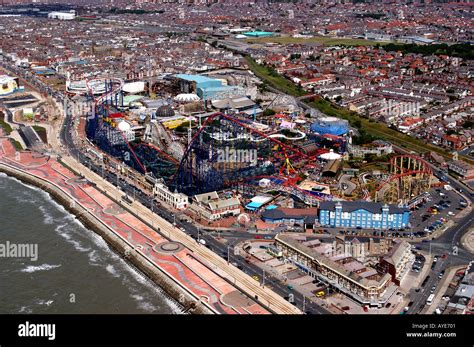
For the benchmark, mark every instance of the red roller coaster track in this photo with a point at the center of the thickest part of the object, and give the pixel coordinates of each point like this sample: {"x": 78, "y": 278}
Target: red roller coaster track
{"x": 403, "y": 172}
{"x": 295, "y": 151}
{"x": 101, "y": 99}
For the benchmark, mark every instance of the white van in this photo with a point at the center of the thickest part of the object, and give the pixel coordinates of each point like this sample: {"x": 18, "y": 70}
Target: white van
{"x": 430, "y": 300}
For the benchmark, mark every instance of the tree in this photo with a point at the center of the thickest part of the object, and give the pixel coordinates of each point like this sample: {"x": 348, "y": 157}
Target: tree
{"x": 268, "y": 112}
{"x": 468, "y": 124}
{"x": 295, "y": 56}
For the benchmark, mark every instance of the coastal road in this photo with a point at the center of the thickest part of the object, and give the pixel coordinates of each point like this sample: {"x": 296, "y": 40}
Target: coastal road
{"x": 242, "y": 280}
{"x": 220, "y": 266}
{"x": 249, "y": 269}
{"x": 213, "y": 244}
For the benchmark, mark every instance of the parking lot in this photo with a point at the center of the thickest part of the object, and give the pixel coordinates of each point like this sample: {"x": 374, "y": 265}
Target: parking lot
{"x": 419, "y": 263}
{"x": 440, "y": 207}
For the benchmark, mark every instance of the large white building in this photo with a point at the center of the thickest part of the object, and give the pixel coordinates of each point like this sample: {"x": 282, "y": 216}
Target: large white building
{"x": 351, "y": 277}
{"x": 211, "y": 207}
{"x": 7, "y": 84}
{"x": 62, "y": 15}
{"x": 377, "y": 148}
{"x": 178, "y": 200}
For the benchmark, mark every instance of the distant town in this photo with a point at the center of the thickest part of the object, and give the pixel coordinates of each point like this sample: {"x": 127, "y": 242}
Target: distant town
{"x": 256, "y": 157}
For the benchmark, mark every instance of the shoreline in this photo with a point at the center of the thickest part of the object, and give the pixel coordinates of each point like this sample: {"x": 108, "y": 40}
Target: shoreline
{"x": 188, "y": 302}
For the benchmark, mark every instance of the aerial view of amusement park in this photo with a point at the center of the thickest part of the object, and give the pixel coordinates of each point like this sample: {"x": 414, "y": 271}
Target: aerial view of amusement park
{"x": 251, "y": 157}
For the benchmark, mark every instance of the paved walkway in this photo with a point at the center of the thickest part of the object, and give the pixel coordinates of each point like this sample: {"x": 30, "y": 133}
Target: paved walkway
{"x": 213, "y": 261}
{"x": 175, "y": 259}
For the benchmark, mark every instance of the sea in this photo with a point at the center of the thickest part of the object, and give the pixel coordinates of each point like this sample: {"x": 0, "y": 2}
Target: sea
{"x": 75, "y": 271}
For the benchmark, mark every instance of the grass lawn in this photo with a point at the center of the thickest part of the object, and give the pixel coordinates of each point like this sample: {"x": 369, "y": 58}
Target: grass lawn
{"x": 8, "y": 129}
{"x": 17, "y": 144}
{"x": 328, "y": 41}
{"x": 41, "y": 133}
{"x": 273, "y": 79}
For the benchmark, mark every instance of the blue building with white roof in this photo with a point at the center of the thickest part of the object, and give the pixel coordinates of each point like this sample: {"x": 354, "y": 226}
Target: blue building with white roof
{"x": 363, "y": 214}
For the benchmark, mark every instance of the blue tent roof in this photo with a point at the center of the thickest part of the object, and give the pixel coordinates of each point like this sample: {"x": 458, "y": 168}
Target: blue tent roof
{"x": 253, "y": 205}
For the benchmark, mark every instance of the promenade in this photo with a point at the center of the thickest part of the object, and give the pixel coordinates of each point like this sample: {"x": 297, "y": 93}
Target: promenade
{"x": 187, "y": 269}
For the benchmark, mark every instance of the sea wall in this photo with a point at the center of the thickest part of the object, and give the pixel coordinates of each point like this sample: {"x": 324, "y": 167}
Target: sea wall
{"x": 188, "y": 300}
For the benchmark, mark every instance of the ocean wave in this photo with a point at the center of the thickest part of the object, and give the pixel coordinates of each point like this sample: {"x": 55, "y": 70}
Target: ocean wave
{"x": 69, "y": 238}
{"x": 94, "y": 258}
{"x": 143, "y": 304}
{"x": 110, "y": 269}
{"x": 29, "y": 186}
{"x": 48, "y": 217}
{"x": 146, "y": 282}
{"x": 44, "y": 194}
{"x": 44, "y": 267}
{"x": 25, "y": 309}
{"x": 44, "y": 302}
{"x": 27, "y": 197}
{"x": 137, "y": 297}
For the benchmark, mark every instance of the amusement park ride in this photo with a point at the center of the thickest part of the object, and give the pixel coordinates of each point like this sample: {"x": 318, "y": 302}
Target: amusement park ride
{"x": 409, "y": 177}
{"x": 201, "y": 170}
{"x": 202, "y": 167}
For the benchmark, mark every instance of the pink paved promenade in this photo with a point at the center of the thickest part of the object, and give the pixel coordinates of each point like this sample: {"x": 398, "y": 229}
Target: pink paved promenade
{"x": 173, "y": 258}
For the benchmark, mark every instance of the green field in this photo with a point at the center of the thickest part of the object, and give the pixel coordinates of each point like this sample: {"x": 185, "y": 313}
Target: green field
{"x": 8, "y": 129}
{"x": 274, "y": 79}
{"x": 376, "y": 129}
{"x": 17, "y": 144}
{"x": 328, "y": 41}
{"x": 42, "y": 133}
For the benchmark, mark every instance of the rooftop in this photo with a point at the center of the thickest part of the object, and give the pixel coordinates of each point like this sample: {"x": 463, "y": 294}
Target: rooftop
{"x": 194, "y": 78}
{"x": 350, "y": 206}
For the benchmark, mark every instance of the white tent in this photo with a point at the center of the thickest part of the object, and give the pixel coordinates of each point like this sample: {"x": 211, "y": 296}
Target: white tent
{"x": 186, "y": 98}
{"x": 134, "y": 87}
{"x": 330, "y": 155}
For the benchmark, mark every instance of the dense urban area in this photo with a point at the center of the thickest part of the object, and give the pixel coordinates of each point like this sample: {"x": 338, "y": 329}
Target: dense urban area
{"x": 295, "y": 157}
